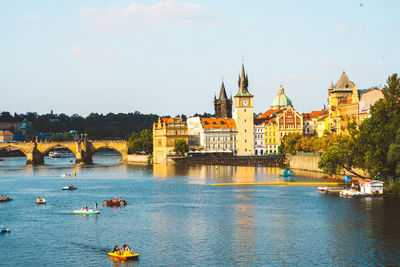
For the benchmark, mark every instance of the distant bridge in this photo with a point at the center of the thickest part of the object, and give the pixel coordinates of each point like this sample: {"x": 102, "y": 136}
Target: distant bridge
{"x": 83, "y": 150}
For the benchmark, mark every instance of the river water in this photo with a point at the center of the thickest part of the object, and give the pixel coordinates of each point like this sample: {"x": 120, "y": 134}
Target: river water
{"x": 174, "y": 217}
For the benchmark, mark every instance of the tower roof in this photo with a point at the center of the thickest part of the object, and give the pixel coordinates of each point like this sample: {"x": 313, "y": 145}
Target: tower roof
{"x": 243, "y": 84}
{"x": 281, "y": 100}
{"x": 344, "y": 83}
{"x": 222, "y": 92}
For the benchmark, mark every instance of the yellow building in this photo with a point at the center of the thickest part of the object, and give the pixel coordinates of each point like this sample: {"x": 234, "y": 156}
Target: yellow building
{"x": 243, "y": 115}
{"x": 165, "y": 132}
{"x": 322, "y": 125}
{"x": 347, "y": 103}
{"x": 271, "y": 136}
{"x": 282, "y": 119}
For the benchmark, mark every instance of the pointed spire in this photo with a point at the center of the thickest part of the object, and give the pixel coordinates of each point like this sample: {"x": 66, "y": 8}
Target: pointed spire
{"x": 243, "y": 83}
{"x": 344, "y": 83}
{"x": 222, "y": 92}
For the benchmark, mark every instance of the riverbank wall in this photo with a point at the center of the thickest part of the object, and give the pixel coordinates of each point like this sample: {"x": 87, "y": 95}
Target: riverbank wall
{"x": 304, "y": 162}
{"x": 260, "y": 161}
{"x": 137, "y": 159}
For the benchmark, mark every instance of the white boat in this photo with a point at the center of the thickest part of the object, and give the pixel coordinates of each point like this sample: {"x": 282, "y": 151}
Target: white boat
{"x": 66, "y": 175}
{"x": 323, "y": 189}
{"x": 57, "y": 154}
{"x": 69, "y": 187}
{"x": 86, "y": 212}
{"x": 352, "y": 193}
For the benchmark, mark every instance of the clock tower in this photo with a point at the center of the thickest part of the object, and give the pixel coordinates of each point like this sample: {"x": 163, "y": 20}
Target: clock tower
{"x": 243, "y": 116}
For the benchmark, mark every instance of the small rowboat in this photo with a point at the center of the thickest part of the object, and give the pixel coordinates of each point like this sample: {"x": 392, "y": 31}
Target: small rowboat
{"x": 86, "y": 212}
{"x": 68, "y": 187}
{"x": 124, "y": 256}
{"x": 6, "y": 200}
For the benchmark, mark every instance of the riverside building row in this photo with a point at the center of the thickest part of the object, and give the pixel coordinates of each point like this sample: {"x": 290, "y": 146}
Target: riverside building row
{"x": 239, "y": 132}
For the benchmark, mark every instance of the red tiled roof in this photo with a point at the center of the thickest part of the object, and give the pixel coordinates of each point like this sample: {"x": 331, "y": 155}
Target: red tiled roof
{"x": 269, "y": 113}
{"x": 209, "y": 123}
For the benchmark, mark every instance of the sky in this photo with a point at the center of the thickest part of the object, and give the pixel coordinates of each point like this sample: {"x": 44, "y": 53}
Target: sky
{"x": 168, "y": 57}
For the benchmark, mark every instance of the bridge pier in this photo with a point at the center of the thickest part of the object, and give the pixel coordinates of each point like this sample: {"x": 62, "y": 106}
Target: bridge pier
{"x": 34, "y": 158}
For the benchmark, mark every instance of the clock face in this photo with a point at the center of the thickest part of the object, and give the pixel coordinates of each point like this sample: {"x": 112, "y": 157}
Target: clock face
{"x": 245, "y": 103}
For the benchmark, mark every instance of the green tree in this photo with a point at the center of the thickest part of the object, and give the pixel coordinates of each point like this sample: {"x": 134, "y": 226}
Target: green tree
{"x": 142, "y": 142}
{"x": 378, "y": 132}
{"x": 289, "y": 143}
{"x": 181, "y": 146}
{"x": 394, "y": 154}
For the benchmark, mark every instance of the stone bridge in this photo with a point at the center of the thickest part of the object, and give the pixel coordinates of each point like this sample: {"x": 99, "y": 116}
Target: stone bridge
{"x": 83, "y": 150}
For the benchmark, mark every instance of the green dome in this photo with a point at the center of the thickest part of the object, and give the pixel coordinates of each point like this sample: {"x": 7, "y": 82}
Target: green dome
{"x": 281, "y": 100}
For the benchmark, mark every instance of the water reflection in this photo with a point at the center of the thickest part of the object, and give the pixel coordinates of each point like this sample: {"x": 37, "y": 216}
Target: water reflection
{"x": 175, "y": 217}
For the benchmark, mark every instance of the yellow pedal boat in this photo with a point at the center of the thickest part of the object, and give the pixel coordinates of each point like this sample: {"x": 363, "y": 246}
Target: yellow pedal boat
{"x": 124, "y": 256}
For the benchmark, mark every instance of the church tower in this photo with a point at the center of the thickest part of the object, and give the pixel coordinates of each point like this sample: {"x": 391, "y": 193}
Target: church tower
{"x": 244, "y": 117}
{"x": 223, "y": 105}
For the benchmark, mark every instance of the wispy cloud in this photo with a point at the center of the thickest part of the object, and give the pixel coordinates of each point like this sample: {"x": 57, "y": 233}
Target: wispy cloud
{"x": 295, "y": 77}
{"x": 32, "y": 17}
{"x": 138, "y": 17}
{"x": 344, "y": 27}
{"x": 96, "y": 54}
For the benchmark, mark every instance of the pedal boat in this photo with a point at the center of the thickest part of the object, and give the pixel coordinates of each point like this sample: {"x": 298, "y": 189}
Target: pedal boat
{"x": 323, "y": 189}
{"x": 41, "y": 201}
{"x": 86, "y": 212}
{"x": 124, "y": 256}
{"x": 67, "y": 187}
{"x": 5, "y": 231}
{"x": 6, "y": 200}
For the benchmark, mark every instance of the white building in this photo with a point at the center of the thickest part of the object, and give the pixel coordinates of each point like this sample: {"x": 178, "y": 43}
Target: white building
{"x": 259, "y": 136}
{"x": 195, "y": 132}
{"x": 213, "y": 134}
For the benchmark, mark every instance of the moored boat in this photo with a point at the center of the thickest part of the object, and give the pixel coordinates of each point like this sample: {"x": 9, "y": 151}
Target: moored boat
{"x": 124, "y": 256}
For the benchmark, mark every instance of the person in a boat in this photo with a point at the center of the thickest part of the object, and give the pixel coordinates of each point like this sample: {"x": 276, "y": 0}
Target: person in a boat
{"x": 38, "y": 199}
{"x": 1, "y": 197}
{"x": 43, "y": 199}
{"x": 2, "y": 227}
{"x": 116, "y": 249}
{"x": 83, "y": 207}
{"x": 127, "y": 249}
{"x": 95, "y": 206}
{"x": 86, "y": 208}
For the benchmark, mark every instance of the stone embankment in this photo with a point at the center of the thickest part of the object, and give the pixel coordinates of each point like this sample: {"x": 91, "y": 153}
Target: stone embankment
{"x": 137, "y": 159}
{"x": 304, "y": 162}
{"x": 261, "y": 161}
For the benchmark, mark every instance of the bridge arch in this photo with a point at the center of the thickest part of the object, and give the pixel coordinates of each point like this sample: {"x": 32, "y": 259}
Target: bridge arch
{"x": 14, "y": 147}
{"x": 120, "y": 146}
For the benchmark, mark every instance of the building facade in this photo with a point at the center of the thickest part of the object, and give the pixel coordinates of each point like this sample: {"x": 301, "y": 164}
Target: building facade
{"x": 220, "y": 135}
{"x": 347, "y": 103}
{"x": 244, "y": 117}
{"x": 6, "y": 137}
{"x": 223, "y": 105}
{"x": 165, "y": 132}
{"x": 259, "y": 136}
